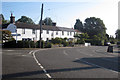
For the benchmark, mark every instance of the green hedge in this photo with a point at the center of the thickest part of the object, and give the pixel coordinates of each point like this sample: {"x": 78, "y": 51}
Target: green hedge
{"x": 19, "y": 44}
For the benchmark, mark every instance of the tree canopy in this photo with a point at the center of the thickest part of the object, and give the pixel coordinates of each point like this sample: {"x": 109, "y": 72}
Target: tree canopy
{"x": 94, "y": 26}
{"x": 48, "y": 21}
{"x": 3, "y": 19}
{"x": 6, "y": 35}
{"x": 117, "y": 34}
{"x": 78, "y": 25}
{"x": 25, "y": 19}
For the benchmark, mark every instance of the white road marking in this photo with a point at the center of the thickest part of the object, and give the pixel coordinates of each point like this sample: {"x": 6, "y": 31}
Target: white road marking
{"x": 98, "y": 66}
{"x": 64, "y": 52}
{"x": 23, "y": 55}
{"x": 48, "y": 75}
{"x": 30, "y": 52}
{"x": 9, "y": 50}
{"x": 76, "y": 58}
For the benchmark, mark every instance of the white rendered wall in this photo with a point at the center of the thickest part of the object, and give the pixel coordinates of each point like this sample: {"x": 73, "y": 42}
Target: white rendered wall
{"x": 44, "y": 35}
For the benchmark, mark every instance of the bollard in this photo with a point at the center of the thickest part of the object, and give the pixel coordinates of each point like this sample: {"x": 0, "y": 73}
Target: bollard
{"x": 110, "y": 49}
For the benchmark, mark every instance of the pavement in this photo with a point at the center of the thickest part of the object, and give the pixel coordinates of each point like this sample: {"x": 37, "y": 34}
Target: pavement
{"x": 75, "y": 62}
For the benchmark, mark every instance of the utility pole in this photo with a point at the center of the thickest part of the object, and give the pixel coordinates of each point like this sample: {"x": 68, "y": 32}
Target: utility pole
{"x": 41, "y": 25}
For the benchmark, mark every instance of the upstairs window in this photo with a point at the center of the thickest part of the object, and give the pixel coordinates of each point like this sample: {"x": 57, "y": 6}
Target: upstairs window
{"x": 68, "y": 33}
{"x": 56, "y": 32}
{"x": 23, "y": 31}
{"x": 47, "y": 31}
{"x": 33, "y": 31}
{"x": 52, "y": 34}
{"x": 62, "y": 32}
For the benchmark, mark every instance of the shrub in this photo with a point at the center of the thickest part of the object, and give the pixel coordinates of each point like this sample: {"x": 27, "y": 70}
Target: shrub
{"x": 19, "y": 44}
{"x": 65, "y": 43}
{"x": 48, "y": 45}
{"x": 80, "y": 41}
{"x": 56, "y": 40}
{"x": 38, "y": 44}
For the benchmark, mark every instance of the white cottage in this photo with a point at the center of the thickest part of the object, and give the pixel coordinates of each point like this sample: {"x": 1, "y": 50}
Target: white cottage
{"x": 32, "y": 32}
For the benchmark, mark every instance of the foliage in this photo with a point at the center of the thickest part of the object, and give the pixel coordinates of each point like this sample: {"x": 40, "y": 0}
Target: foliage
{"x": 19, "y": 44}
{"x": 94, "y": 26}
{"x": 117, "y": 34}
{"x": 81, "y": 38}
{"x": 3, "y": 19}
{"x": 48, "y": 21}
{"x": 48, "y": 45}
{"x": 65, "y": 43}
{"x": 56, "y": 40}
{"x": 42, "y": 44}
{"x": 78, "y": 25}
{"x": 6, "y": 35}
{"x": 25, "y": 19}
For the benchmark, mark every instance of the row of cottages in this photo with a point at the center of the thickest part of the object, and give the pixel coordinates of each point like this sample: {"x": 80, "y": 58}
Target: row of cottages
{"x": 32, "y": 32}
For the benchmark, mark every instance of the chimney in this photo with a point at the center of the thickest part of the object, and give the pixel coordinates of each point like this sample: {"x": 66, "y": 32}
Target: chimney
{"x": 53, "y": 24}
{"x": 12, "y": 19}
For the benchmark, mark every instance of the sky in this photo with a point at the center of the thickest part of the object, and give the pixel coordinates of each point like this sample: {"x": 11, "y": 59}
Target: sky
{"x": 65, "y": 13}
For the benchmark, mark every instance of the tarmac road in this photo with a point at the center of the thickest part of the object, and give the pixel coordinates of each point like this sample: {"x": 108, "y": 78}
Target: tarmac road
{"x": 77, "y": 62}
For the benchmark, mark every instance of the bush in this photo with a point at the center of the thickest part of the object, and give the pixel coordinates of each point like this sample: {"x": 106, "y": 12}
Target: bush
{"x": 19, "y": 44}
{"x": 38, "y": 44}
{"x": 80, "y": 41}
{"x": 56, "y": 41}
{"x": 95, "y": 42}
{"x": 48, "y": 45}
{"x": 65, "y": 43}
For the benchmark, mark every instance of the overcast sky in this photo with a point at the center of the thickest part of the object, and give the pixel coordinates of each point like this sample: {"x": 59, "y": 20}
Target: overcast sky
{"x": 65, "y": 12}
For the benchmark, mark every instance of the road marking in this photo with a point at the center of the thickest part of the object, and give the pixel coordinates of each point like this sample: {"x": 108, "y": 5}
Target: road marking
{"x": 23, "y": 55}
{"x": 76, "y": 58}
{"x": 9, "y": 50}
{"x": 33, "y": 53}
{"x": 64, "y": 52}
{"x": 30, "y": 52}
{"x": 98, "y": 66}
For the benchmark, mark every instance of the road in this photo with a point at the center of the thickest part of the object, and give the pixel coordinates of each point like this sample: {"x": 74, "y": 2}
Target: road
{"x": 77, "y": 62}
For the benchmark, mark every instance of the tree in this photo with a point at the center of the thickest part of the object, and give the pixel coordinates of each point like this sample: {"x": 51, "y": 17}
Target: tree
{"x": 3, "y": 19}
{"x": 94, "y": 26}
{"x": 78, "y": 25}
{"x": 81, "y": 38}
{"x": 25, "y": 19}
{"x": 117, "y": 34}
{"x": 48, "y": 21}
{"x": 6, "y": 36}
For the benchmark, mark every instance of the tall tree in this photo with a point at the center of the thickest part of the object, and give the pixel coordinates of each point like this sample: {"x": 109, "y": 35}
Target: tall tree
{"x": 94, "y": 26}
{"x": 117, "y": 34}
{"x": 25, "y": 19}
{"x": 78, "y": 25}
{"x": 48, "y": 21}
{"x": 3, "y": 19}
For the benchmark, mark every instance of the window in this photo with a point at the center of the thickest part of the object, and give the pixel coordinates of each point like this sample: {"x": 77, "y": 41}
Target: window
{"x": 47, "y": 31}
{"x": 68, "y": 33}
{"x": 33, "y": 31}
{"x": 52, "y": 34}
{"x": 23, "y": 31}
{"x": 56, "y": 32}
{"x": 62, "y": 32}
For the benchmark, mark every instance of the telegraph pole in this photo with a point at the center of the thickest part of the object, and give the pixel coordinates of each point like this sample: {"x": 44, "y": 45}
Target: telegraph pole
{"x": 41, "y": 25}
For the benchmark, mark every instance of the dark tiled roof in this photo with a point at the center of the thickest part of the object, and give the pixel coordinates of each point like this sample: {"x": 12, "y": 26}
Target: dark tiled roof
{"x": 66, "y": 29}
{"x": 44, "y": 27}
{"x": 32, "y": 26}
